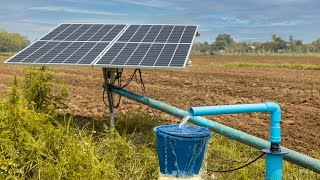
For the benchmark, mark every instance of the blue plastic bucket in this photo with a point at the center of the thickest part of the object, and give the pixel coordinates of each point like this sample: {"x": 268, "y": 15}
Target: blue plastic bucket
{"x": 181, "y": 151}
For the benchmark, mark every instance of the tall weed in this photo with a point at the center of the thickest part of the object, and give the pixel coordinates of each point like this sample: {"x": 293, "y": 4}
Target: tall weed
{"x": 42, "y": 90}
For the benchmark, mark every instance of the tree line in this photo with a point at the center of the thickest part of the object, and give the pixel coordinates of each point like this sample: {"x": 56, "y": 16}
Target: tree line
{"x": 225, "y": 43}
{"x": 12, "y": 42}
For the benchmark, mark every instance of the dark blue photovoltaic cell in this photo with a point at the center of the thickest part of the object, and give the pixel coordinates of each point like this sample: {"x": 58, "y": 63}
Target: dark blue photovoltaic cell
{"x": 152, "y": 34}
{"x": 158, "y": 34}
{"x": 166, "y": 55}
{"x": 65, "y": 33}
{"x": 138, "y": 55}
{"x": 101, "y": 33}
{"x": 126, "y": 52}
{"x": 140, "y": 34}
{"x": 180, "y": 55}
{"x": 152, "y": 55}
{"x": 126, "y": 36}
{"x": 26, "y": 52}
{"x": 84, "y": 32}
{"x": 94, "y": 52}
{"x": 77, "y": 33}
{"x": 89, "y": 33}
{"x": 53, "y": 52}
{"x": 164, "y": 34}
{"x": 40, "y": 52}
{"x": 111, "y": 53}
{"x": 55, "y": 32}
{"x": 83, "y": 50}
{"x": 113, "y": 33}
{"x": 176, "y": 34}
{"x": 66, "y": 53}
{"x": 188, "y": 34}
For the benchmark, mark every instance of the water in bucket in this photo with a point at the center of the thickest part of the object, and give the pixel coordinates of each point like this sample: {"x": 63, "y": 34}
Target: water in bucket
{"x": 181, "y": 150}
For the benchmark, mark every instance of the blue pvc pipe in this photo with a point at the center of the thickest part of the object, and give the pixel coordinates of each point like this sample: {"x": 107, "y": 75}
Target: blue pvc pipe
{"x": 274, "y": 159}
{"x": 292, "y": 156}
{"x": 273, "y": 108}
{"x": 274, "y": 167}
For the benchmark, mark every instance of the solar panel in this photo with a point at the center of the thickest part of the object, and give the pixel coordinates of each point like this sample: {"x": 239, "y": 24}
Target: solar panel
{"x": 150, "y": 46}
{"x": 69, "y": 44}
{"x": 111, "y": 45}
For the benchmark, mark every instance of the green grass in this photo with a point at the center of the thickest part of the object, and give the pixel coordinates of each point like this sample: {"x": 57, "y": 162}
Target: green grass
{"x": 225, "y": 153}
{"x": 4, "y": 56}
{"x": 317, "y": 54}
{"x": 269, "y": 65}
{"x": 39, "y": 144}
{"x": 36, "y": 145}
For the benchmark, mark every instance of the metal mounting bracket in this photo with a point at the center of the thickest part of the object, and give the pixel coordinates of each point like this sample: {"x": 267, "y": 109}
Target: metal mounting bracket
{"x": 109, "y": 75}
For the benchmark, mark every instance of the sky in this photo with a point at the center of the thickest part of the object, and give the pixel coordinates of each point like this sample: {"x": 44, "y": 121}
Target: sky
{"x": 244, "y": 20}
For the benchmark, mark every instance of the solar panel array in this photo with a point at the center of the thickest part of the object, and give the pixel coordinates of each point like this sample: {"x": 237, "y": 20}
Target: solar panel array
{"x": 151, "y": 46}
{"x": 111, "y": 45}
{"x": 74, "y": 44}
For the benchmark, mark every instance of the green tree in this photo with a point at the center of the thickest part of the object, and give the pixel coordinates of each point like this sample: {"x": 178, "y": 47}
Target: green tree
{"x": 238, "y": 46}
{"x": 204, "y": 47}
{"x": 278, "y": 43}
{"x": 291, "y": 40}
{"x": 12, "y": 42}
{"x": 226, "y": 38}
{"x": 219, "y": 45}
{"x": 222, "y": 41}
{"x": 316, "y": 44}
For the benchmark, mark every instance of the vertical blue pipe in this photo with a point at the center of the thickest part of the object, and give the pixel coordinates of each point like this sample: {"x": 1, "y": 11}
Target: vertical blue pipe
{"x": 275, "y": 118}
{"x": 274, "y": 157}
{"x": 274, "y": 166}
{"x": 274, "y": 154}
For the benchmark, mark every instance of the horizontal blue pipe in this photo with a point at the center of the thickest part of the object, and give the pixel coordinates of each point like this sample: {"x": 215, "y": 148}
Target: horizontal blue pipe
{"x": 292, "y": 156}
{"x": 270, "y": 107}
{"x": 227, "y": 109}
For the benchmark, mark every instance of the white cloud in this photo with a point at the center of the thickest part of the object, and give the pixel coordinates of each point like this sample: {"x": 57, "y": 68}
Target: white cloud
{"x": 74, "y": 10}
{"x": 148, "y": 3}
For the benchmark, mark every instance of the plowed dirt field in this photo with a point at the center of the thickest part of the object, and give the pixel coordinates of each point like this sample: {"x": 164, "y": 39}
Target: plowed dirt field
{"x": 297, "y": 92}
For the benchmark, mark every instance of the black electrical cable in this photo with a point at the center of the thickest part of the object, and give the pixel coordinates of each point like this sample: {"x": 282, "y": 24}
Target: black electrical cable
{"x": 119, "y": 100}
{"x": 230, "y": 170}
{"x": 118, "y": 76}
{"x": 146, "y": 95}
{"x": 235, "y": 161}
{"x": 103, "y": 98}
{"x": 130, "y": 79}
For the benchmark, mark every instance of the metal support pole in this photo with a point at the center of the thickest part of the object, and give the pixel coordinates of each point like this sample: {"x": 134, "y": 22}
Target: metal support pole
{"x": 109, "y": 76}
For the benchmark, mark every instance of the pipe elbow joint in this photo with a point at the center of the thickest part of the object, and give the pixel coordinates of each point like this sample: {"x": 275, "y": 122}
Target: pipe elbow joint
{"x": 275, "y": 118}
{"x": 273, "y": 107}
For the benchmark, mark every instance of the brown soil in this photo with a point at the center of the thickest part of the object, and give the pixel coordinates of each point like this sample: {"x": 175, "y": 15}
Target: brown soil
{"x": 297, "y": 92}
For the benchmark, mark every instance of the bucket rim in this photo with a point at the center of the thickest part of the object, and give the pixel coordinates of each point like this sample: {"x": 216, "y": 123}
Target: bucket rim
{"x": 183, "y": 138}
